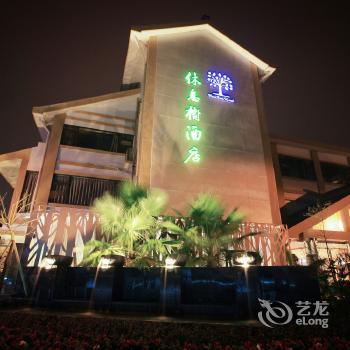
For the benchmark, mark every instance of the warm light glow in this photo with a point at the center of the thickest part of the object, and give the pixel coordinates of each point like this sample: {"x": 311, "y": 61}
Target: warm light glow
{"x": 169, "y": 262}
{"x": 48, "y": 263}
{"x": 264, "y": 67}
{"x": 245, "y": 260}
{"x": 332, "y": 223}
{"x": 302, "y": 261}
{"x": 105, "y": 263}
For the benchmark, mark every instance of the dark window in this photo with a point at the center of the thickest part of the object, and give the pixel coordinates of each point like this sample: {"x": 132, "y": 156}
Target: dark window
{"x": 29, "y": 184}
{"x": 297, "y": 167}
{"x": 69, "y": 135}
{"x": 131, "y": 86}
{"x": 79, "y": 190}
{"x": 125, "y": 143}
{"x": 335, "y": 173}
{"x": 78, "y": 136}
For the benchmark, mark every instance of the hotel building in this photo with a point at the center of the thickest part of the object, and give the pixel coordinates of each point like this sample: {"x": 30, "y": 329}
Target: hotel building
{"x": 189, "y": 119}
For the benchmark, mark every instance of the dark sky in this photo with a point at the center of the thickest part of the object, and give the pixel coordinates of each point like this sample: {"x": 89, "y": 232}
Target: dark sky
{"x": 54, "y": 51}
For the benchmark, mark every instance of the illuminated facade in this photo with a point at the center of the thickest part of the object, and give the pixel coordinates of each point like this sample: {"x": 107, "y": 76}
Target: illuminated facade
{"x": 313, "y": 183}
{"x": 189, "y": 119}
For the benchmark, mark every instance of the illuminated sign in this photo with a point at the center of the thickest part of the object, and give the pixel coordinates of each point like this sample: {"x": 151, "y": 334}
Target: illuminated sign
{"x": 193, "y": 133}
{"x": 221, "y": 86}
{"x": 192, "y": 114}
{"x": 222, "y": 82}
{"x": 192, "y": 79}
{"x": 193, "y": 96}
{"x": 193, "y": 155}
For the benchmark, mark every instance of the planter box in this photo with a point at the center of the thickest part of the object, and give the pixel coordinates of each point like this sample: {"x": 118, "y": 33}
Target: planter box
{"x": 226, "y": 291}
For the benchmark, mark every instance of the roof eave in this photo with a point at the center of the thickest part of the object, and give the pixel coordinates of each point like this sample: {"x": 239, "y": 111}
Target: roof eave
{"x": 264, "y": 69}
{"x": 84, "y": 101}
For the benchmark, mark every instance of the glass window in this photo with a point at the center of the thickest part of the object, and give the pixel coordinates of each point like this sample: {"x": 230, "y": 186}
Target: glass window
{"x": 335, "y": 173}
{"x": 97, "y": 139}
{"x": 297, "y": 167}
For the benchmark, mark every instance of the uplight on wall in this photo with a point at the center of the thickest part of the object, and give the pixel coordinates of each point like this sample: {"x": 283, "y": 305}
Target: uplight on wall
{"x": 111, "y": 260}
{"x": 245, "y": 260}
{"x": 170, "y": 262}
{"x": 105, "y": 263}
{"x": 48, "y": 263}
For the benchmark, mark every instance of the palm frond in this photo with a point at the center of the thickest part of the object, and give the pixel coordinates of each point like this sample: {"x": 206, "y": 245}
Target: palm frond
{"x": 178, "y": 213}
{"x": 144, "y": 262}
{"x": 152, "y": 246}
{"x": 173, "y": 228}
{"x": 205, "y": 208}
{"x": 154, "y": 203}
{"x": 131, "y": 193}
{"x": 95, "y": 249}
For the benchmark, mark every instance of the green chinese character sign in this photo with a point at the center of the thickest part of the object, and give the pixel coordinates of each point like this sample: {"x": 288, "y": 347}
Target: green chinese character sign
{"x": 192, "y": 79}
{"x": 193, "y": 114}
{"x": 193, "y": 96}
{"x": 193, "y": 155}
{"x": 193, "y": 133}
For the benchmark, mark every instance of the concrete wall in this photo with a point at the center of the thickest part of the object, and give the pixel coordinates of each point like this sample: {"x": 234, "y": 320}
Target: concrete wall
{"x": 232, "y": 164}
{"x": 36, "y": 157}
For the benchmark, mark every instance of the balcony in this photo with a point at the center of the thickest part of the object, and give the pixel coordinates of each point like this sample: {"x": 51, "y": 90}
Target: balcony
{"x": 94, "y": 163}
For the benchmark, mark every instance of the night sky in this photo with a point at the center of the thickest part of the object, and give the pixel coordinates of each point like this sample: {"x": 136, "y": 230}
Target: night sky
{"x": 55, "y": 51}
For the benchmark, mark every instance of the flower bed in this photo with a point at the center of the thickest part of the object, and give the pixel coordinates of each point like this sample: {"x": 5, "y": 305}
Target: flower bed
{"x": 54, "y": 332}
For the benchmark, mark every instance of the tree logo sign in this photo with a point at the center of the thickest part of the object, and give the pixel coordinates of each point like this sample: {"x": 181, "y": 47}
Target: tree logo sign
{"x": 222, "y": 85}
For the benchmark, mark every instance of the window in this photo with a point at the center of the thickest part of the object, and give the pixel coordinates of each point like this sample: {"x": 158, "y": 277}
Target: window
{"x": 131, "y": 86}
{"x": 297, "y": 167}
{"x": 78, "y": 136}
{"x": 335, "y": 173}
{"x": 29, "y": 184}
{"x": 332, "y": 223}
{"x": 79, "y": 190}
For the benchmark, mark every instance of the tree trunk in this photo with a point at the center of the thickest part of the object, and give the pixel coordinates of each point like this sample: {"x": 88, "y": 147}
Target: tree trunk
{"x": 20, "y": 270}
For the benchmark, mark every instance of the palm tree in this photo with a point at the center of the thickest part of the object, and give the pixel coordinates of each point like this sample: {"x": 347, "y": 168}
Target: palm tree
{"x": 130, "y": 193}
{"x": 130, "y": 227}
{"x": 205, "y": 231}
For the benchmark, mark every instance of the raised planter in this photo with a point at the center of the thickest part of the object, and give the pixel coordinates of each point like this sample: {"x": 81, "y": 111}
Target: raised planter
{"x": 226, "y": 291}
